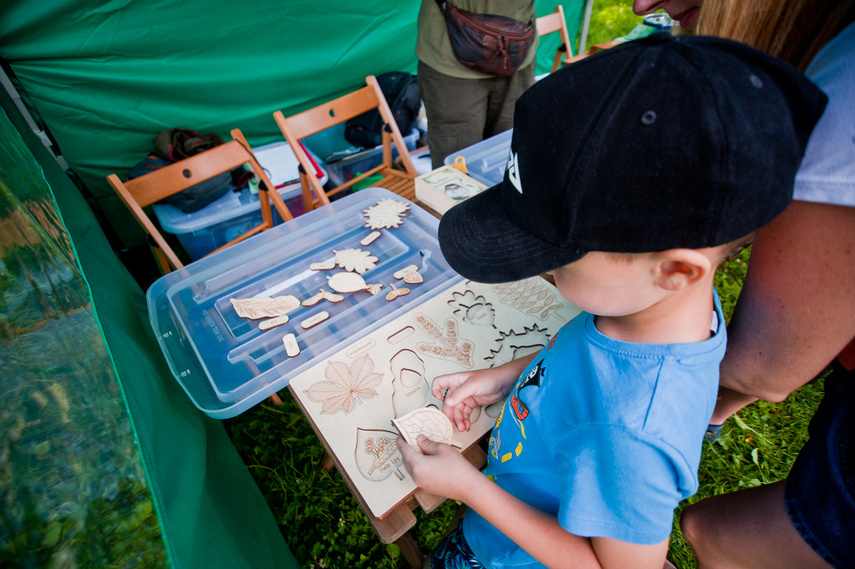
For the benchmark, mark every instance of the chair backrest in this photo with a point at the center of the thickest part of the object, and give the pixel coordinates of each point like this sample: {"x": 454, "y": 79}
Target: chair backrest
{"x": 552, "y": 23}
{"x": 314, "y": 120}
{"x": 169, "y": 180}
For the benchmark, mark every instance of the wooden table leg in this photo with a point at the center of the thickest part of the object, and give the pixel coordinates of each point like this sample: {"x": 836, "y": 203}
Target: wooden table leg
{"x": 411, "y": 551}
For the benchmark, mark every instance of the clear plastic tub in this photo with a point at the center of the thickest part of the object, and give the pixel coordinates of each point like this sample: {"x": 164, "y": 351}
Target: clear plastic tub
{"x": 486, "y": 160}
{"x": 345, "y": 169}
{"x": 225, "y": 363}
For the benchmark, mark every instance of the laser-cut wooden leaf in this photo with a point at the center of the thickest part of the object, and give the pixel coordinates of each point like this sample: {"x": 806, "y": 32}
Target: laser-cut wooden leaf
{"x": 264, "y": 307}
{"x": 355, "y": 260}
{"x": 386, "y": 214}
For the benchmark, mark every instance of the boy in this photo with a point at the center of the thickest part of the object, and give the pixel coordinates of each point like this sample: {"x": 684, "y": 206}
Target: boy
{"x": 632, "y": 175}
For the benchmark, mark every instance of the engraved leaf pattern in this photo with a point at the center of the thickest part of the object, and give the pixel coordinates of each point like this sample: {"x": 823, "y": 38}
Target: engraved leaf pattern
{"x": 530, "y": 296}
{"x": 448, "y": 344}
{"x": 345, "y": 386}
{"x": 428, "y": 421}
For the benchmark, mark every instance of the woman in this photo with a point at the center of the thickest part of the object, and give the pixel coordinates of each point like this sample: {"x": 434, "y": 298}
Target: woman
{"x": 684, "y": 12}
{"x": 796, "y": 311}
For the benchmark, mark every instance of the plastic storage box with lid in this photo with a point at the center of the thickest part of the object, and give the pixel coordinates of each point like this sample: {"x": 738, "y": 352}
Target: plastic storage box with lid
{"x": 344, "y": 169}
{"x": 225, "y": 363}
{"x": 486, "y": 160}
{"x": 202, "y": 231}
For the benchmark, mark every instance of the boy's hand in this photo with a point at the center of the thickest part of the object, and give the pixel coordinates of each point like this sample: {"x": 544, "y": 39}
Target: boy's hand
{"x": 465, "y": 390}
{"x": 441, "y": 470}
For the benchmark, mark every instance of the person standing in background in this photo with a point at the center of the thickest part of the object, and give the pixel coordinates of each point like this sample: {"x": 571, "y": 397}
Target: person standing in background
{"x": 464, "y": 106}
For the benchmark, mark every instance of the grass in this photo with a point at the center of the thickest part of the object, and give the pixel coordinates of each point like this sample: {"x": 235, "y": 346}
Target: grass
{"x": 324, "y": 526}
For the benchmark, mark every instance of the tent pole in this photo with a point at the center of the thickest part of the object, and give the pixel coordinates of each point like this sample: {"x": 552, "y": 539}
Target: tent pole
{"x": 16, "y": 98}
{"x": 586, "y": 22}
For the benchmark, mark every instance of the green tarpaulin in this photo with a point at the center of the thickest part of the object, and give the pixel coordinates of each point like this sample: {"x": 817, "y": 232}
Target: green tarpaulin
{"x": 107, "y": 75}
{"x": 105, "y": 462}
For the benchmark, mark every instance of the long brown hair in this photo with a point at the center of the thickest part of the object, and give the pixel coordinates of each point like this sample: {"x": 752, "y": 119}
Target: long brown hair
{"x": 794, "y": 30}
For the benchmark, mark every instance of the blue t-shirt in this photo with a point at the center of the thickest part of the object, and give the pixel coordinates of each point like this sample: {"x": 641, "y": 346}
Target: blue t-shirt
{"x": 603, "y": 434}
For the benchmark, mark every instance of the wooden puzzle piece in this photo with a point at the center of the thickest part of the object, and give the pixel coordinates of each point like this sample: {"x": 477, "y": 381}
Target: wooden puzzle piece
{"x": 449, "y": 345}
{"x": 291, "y": 346}
{"x": 396, "y": 292}
{"x": 345, "y": 386}
{"x": 322, "y": 295}
{"x": 314, "y": 319}
{"x": 370, "y": 238}
{"x": 355, "y": 260}
{"x": 408, "y": 269}
{"x": 273, "y": 322}
{"x": 386, "y": 214}
{"x": 322, "y": 266}
{"x": 347, "y": 283}
{"x": 272, "y": 307}
{"x": 428, "y": 421}
{"x": 413, "y": 277}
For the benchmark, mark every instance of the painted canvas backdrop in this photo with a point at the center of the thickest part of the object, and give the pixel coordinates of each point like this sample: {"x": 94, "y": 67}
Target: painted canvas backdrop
{"x": 105, "y": 76}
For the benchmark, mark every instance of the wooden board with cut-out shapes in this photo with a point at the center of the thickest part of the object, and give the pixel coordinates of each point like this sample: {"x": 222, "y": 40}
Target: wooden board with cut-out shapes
{"x": 352, "y": 397}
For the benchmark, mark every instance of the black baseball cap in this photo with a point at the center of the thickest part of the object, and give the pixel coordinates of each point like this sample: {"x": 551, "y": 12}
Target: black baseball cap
{"x": 660, "y": 143}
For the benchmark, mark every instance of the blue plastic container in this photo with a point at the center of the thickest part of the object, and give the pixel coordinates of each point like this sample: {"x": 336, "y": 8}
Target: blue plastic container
{"x": 236, "y": 213}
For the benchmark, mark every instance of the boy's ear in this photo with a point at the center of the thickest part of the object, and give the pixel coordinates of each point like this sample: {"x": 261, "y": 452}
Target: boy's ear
{"x": 679, "y": 268}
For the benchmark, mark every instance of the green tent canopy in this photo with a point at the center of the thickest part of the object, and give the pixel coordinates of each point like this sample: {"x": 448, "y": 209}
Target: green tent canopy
{"x": 105, "y": 77}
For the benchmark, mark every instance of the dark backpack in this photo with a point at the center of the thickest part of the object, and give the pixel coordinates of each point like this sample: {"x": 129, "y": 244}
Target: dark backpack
{"x": 402, "y": 94}
{"x": 176, "y": 144}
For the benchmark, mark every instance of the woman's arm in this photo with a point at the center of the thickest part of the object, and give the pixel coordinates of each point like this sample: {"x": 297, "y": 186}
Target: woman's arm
{"x": 796, "y": 310}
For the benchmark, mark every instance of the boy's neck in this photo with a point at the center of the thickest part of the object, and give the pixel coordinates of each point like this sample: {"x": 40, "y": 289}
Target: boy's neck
{"x": 681, "y": 317}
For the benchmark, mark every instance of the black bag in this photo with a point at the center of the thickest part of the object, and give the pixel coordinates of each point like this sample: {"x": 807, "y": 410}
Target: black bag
{"x": 487, "y": 43}
{"x": 176, "y": 144}
{"x": 402, "y": 94}
{"x": 193, "y": 198}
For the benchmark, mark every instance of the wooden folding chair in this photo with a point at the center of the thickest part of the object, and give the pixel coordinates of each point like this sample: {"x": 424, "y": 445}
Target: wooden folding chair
{"x": 159, "y": 184}
{"x": 309, "y": 122}
{"x": 552, "y": 23}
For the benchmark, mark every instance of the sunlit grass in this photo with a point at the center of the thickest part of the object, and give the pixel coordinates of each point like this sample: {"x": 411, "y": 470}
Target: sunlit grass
{"x": 611, "y": 19}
